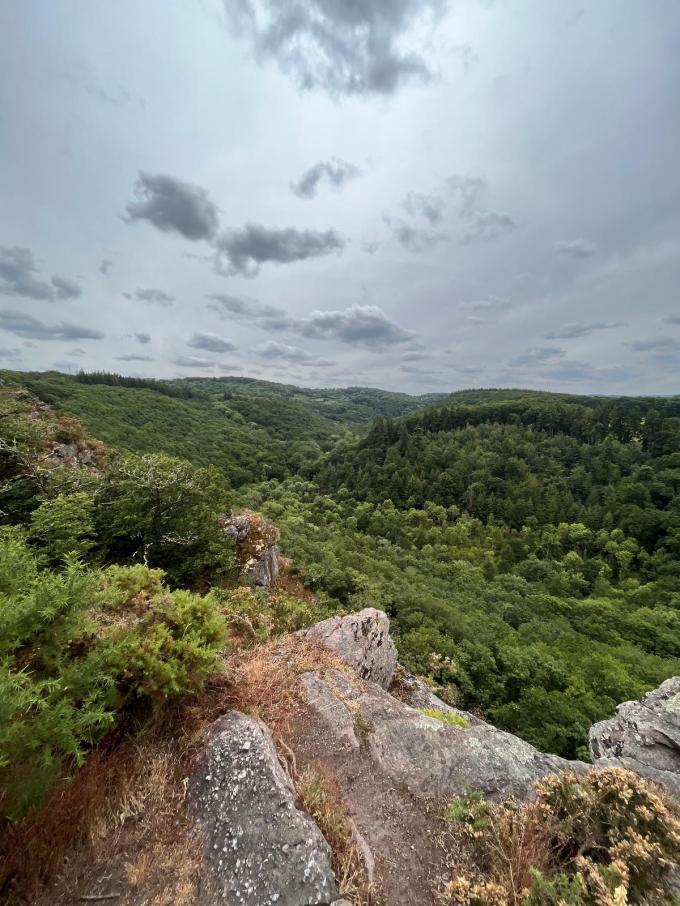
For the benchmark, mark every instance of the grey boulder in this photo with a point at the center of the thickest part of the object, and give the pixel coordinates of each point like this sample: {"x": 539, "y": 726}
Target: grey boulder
{"x": 260, "y": 850}
{"x": 363, "y": 641}
{"x": 644, "y": 736}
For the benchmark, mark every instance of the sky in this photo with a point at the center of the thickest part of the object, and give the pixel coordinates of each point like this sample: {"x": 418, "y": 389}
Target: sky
{"x": 419, "y": 195}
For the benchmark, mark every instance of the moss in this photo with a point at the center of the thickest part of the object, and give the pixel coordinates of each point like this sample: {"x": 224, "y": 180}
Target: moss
{"x": 447, "y": 717}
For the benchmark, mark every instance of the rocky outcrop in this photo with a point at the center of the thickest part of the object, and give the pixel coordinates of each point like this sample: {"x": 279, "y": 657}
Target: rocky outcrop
{"x": 428, "y": 756}
{"x": 255, "y": 543}
{"x": 363, "y": 724}
{"x": 644, "y": 736}
{"x": 260, "y": 850}
{"x": 363, "y": 641}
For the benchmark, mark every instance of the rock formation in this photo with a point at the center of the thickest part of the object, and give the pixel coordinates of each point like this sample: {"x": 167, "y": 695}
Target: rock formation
{"x": 363, "y": 641}
{"x": 644, "y": 736}
{"x": 255, "y": 542}
{"x": 260, "y": 849}
{"x": 394, "y": 766}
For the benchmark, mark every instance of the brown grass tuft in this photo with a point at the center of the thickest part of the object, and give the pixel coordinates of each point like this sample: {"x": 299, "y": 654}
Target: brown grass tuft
{"x": 319, "y": 796}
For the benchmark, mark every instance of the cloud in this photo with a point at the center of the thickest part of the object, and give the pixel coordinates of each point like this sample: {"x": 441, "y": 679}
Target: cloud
{"x": 76, "y": 353}
{"x": 340, "y": 46}
{"x": 412, "y": 238}
{"x": 152, "y": 297}
{"x": 211, "y": 343}
{"x": 65, "y": 288}
{"x": 192, "y": 361}
{"x": 281, "y": 351}
{"x": 485, "y": 226}
{"x": 575, "y": 248}
{"x": 18, "y": 275}
{"x": 25, "y": 326}
{"x": 11, "y": 355}
{"x": 573, "y": 331}
{"x": 467, "y": 192}
{"x": 576, "y": 372}
{"x": 431, "y": 207}
{"x": 173, "y": 206}
{"x": 142, "y": 337}
{"x": 490, "y": 305}
{"x": 660, "y": 344}
{"x": 244, "y": 251}
{"x": 673, "y": 319}
{"x": 360, "y": 325}
{"x": 105, "y": 267}
{"x": 537, "y": 355}
{"x": 134, "y": 357}
{"x": 248, "y": 309}
{"x": 334, "y": 171}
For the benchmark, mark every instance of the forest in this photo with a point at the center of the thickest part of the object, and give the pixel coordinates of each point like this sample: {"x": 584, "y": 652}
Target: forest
{"x": 525, "y": 545}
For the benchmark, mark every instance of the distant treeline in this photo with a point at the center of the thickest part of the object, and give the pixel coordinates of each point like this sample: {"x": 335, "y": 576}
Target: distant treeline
{"x": 177, "y": 389}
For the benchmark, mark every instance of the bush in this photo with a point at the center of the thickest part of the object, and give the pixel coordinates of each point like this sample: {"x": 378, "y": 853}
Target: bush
{"x": 77, "y": 649}
{"x": 605, "y": 838}
{"x": 254, "y": 617}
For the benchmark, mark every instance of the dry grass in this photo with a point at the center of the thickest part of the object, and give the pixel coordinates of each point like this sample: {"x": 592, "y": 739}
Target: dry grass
{"x": 124, "y": 814}
{"x": 265, "y": 679}
{"x": 124, "y": 808}
{"x": 319, "y": 796}
{"x": 119, "y": 825}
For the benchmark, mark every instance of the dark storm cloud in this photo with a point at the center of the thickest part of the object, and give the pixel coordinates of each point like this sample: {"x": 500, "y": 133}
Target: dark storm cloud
{"x": 431, "y": 207}
{"x": 105, "y": 267}
{"x": 134, "y": 357}
{"x": 575, "y": 248}
{"x": 360, "y": 325}
{"x": 655, "y": 344}
{"x": 210, "y": 342}
{"x": 152, "y": 297}
{"x": 485, "y": 226}
{"x": 244, "y": 251}
{"x": 282, "y": 352}
{"x": 26, "y": 326}
{"x": 173, "y": 206}
{"x": 142, "y": 337}
{"x": 537, "y": 355}
{"x": 573, "y": 331}
{"x": 339, "y": 46}
{"x": 335, "y": 172}
{"x": 65, "y": 288}
{"x": 19, "y": 275}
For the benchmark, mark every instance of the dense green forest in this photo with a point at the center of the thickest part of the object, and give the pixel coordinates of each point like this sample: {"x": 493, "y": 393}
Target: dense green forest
{"x": 526, "y": 545}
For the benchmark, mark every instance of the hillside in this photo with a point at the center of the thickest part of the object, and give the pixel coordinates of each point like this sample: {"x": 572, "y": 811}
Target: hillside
{"x": 524, "y": 546}
{"x": 250, "y": 429}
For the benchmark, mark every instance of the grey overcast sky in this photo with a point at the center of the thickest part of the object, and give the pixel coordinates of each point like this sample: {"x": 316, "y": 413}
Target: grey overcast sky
{"x": 413, "y": 194}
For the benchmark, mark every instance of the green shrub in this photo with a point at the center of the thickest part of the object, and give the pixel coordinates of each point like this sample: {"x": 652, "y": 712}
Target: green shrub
{"x": 77, "y": 649}
{"x": 254, "y": 617}
{"x": 63, "y": 525}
